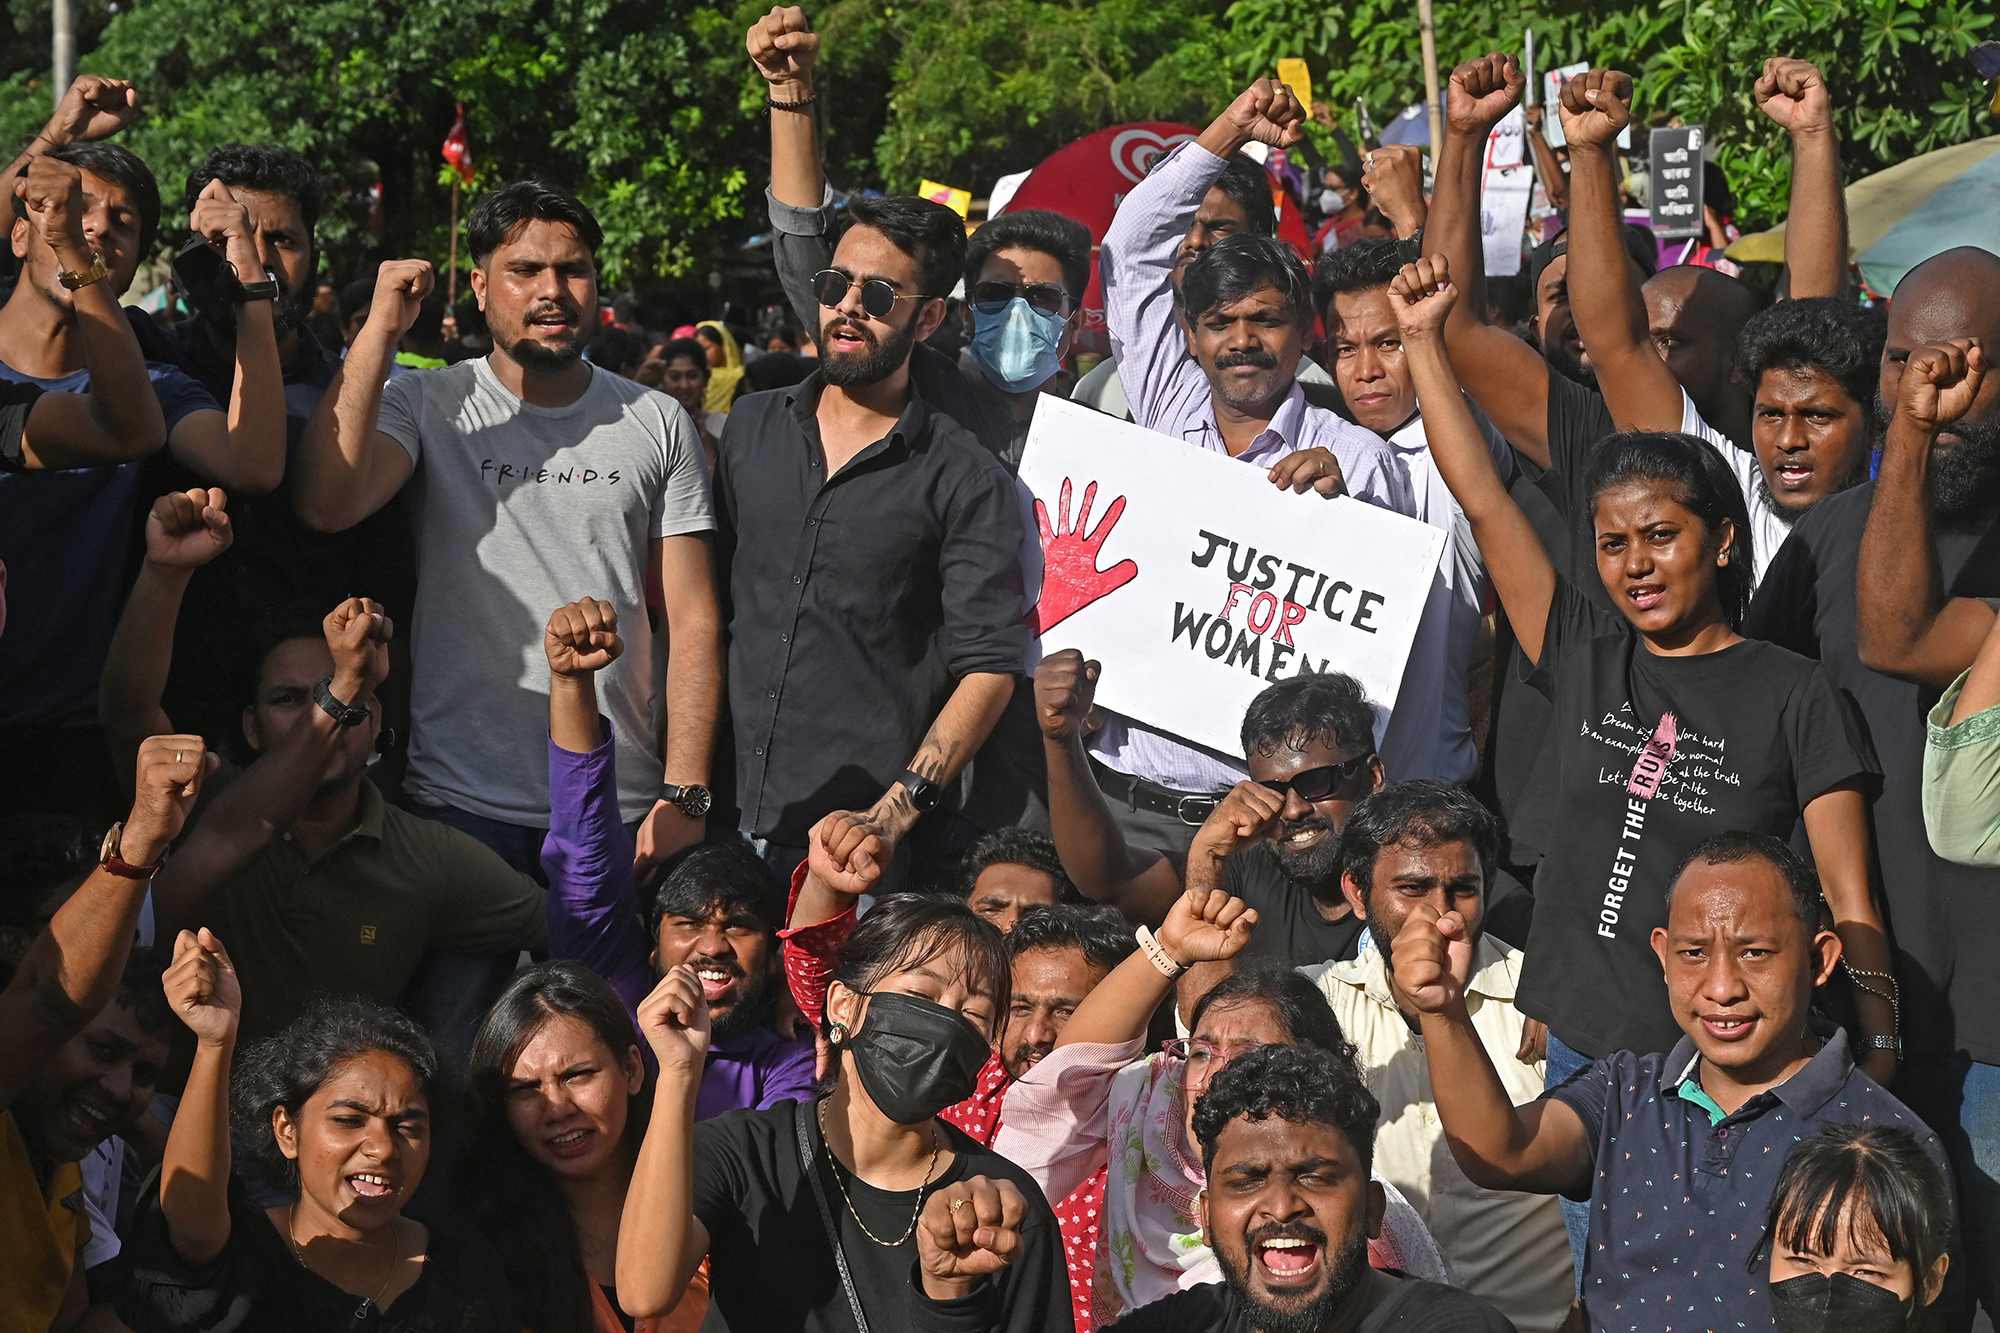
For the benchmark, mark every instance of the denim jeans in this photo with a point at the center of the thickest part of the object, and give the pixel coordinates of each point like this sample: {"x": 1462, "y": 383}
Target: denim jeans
{"x": 1960, "y": 1100}
{"x": 1561, "y": 1063}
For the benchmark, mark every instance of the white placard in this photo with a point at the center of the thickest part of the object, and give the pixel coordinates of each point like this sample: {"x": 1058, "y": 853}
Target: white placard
{"x": 1198, "y": 584}
{"x": 1506, "y": 179}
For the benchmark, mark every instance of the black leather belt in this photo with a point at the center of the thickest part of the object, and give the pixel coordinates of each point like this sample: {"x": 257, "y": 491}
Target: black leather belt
{"x": 1190, "y": 808}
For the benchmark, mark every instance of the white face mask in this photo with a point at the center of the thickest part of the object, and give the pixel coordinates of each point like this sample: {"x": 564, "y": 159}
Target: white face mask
{"x": 1331, "y": 201}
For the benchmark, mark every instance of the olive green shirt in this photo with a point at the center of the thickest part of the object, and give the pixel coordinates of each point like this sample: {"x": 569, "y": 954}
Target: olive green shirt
{"x": 1962, "y": 782}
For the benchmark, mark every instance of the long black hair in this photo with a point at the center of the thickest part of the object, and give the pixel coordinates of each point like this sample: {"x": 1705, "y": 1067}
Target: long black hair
{"x": 514, "y": 1200}
{"x": 907, "y": 930}
{"x": 1704, "y": 486}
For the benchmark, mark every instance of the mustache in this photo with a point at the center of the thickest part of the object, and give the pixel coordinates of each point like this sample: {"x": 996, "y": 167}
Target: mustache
{"x": 1259, "y": 358}
{"x": 542, "y": 308}
{"x": 1285, "y": 1231}
{"x": 728, "y": 965}
{"x": 1286, "y": 829}
{"x": 840, "y": 324}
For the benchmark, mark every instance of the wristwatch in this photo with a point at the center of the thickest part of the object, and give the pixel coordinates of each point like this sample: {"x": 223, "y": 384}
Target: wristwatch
{"x": 693, "y": 800}
{"x": 109, "y": 861}
{"x": 346, "y": 715}
{"x": 266, "y": 290}
{"x": 75, "y": 281}
{"x": 924, "y": 794}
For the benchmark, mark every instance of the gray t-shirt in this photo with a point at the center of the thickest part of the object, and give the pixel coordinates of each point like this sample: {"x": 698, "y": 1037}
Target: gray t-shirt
{"x": 519, "y": 509}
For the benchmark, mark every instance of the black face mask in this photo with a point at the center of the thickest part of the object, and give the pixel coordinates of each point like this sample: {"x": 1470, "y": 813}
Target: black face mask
{"x": 915, "y": 1057}
{"x": 1820, "y": 1302}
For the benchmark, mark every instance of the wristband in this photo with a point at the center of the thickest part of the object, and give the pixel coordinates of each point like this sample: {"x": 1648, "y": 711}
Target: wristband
{"x": 800, "y": 105}
{"x": 347, "y": 715}
{"x": 1156, "y": 955}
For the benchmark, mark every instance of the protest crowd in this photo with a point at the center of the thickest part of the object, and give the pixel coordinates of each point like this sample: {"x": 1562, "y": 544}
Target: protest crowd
{"x": 516, "y": 821}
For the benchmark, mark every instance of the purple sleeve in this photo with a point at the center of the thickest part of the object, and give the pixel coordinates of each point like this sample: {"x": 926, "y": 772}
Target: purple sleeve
{"x": 791, "y": 1077}
{"x": 593, "y": 904}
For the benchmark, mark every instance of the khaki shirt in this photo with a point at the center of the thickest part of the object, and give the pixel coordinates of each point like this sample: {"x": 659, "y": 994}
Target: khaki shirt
{"x": 1508, "y": 1248}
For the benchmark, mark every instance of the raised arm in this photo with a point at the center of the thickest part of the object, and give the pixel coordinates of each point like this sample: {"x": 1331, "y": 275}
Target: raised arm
{"x": 119, "y": 419}
{"x": 1139, "y": 882}
{"x": 1793, "y": 93}
{"x": 70, "y": 971}
{"x": 1540, "y": 1147}
{"x": 1506, "y": 377}
{"x": 1603, "y": 295}
{"x": 1204, "y": 925}
{"x": 347, "y": 467}
{"x": 1906, "y": 625}
{"x": 203, "y": 992}
{"x": 1523, "y": 577}
{"x": 1393, "y": 176}
{"x": 185, "y": 530}
{"x": 275, "y": 790}
{"x": 94, "y": 109}
{"x": 1837, "y": 828}
{"x": 784, "y": 49}
{"x": 1548, "y": 167}
{"x": 660, "y": 1240}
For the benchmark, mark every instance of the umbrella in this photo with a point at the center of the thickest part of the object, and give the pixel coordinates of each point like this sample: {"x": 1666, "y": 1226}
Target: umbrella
{"x": 1898, "y": 218}
{"x": 1411, "y": 125}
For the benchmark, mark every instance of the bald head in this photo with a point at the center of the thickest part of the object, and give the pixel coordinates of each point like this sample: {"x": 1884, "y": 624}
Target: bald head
{"x": 1694, "y": 314}
{"x": 1952, "y": 295}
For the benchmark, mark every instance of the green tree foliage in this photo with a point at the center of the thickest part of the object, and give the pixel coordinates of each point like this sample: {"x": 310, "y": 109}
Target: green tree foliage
{"x": 1897, "y": 68}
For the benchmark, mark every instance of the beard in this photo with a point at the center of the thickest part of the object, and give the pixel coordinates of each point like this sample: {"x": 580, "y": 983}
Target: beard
{"x": 1567, "y": 364}
{"x": 857, "y": 370}
{"x": 1785, "y": 515}
{"x": 1316, "y": 869}
{"x": 1261, "y": 392}
{"x": 542, "y": 356}
{"x": 1964, "y": 478}
{"x": 752, "y": 1004}
{"x": 1350, "y": 1268}
{"x": 288, "y": 312}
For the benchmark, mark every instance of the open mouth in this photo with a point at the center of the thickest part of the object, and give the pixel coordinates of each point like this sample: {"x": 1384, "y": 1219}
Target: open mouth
{"x": 1645, "y": 596}
{"x": 86, "y": 1121}
{"x": 1792, "y": 474}
{"x": 716, "y": 981}
{"x": 573, "y": 1144}
{"x": 1288, "y": 1261}
{"x": 1728, "y": 1027}
{"x": 370, "y": 1185}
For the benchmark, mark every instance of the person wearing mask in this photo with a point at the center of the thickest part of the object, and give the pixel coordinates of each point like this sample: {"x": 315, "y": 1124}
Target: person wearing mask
{"x": 1667, "y": 1143}
{"x": 340, "y": 1104}
{"x": 879, "y": 1214}
{"x": 1424, "y": 843}
{"x": 1287, "y": 1135}
{"x": 1344, "y": 205}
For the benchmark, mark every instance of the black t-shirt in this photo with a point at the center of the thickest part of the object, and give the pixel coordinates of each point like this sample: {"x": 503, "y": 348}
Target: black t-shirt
{"x": 1759, "y": 731}
{"x": 771, "y": 1267}
{"x": 1415, "y": 1306}
{"x": 1941, "y": 915}
{"x": 1290, "y": 928}
{"x": 16, "y": 401}
{"x": 257, "y": 1284}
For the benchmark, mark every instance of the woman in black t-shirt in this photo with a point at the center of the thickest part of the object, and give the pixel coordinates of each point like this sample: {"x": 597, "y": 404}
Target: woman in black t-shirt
{"x": 339, "y": 1105}
{"x": 1669, "y": 726}
{"x": 862, "y": 1210}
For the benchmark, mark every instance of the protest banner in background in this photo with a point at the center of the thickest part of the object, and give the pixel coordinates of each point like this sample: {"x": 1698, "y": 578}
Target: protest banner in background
{"x": 1506, "y": 180}
{"x": 1674, "y": 199}
{"x": 1197, "y": 583}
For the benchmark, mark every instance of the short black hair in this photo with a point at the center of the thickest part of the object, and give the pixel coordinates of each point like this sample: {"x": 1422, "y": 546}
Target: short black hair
{"x": 927, "y": 232}
{"x": 1250, "y": 186}
{"x": 266, "y": 167}
{"x": 1360, "y": 267}
{"x": 1325, "y": 706}
{"x": 691, "y": 348}
{"x": 1740, "y": 845}
{"x": 1307, "y": 1018}
{"x": 1419, "y": 813}
{"x": 1015, "y": 847}
{"x": 1239, "y": 265}
{"x": 142, "y": 989}
{"x": 718, "y": 877}
{"x": 614, "y": 349}
{"x": 907, "y": 930}
{"x": 280, "y": 626}
{"x": 1042, "y": 230}
{"x": 1841, "y": 339}
{"x": 122, "y": 167}
{"x": 1301, "y": 1085}
{"x": 1098, "y": 929}
{"x": 355, "y": 297}
{"x": 1871, "y": 1177}
{"x": 499, "y": 215}
{"x": 286, "y": 1069}
{"x": 1707, "y": 487}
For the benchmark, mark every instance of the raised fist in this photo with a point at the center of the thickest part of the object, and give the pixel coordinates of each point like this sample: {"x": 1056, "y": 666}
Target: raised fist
{"x": 966, "y": 1232}
{"x": 582, "y": 637}
{"x": 1206, "y": 926}
{"x": 358, "y": 633}
{"x": 1940, "y": 382}
{"x": 1480, "y": 93}
{"x": 169, "y": 778}
{"x": 94, "y": 108}
{"x": 187, "y": 529}
{"x": 52, "y": 192}
{"x": 784, "y": 48}
{"x": 1239, "y": 819}
{"x": 1266, "y": 112}
{"x": 1393, "y": 175}
{"x": 847, "y": 852}
{"x": 227, "y": 225}
{"x": 202, "y": 989}
{"x": 400, "y": 288}
{"x": 1065, "y": 685}
{"x": 1596, "y": 106}
{"x": 674, "y": 1021}
{"x": 1421, "y": 296}
{"x": 1431, "y": 960}
{"x": 1793, "y": 93}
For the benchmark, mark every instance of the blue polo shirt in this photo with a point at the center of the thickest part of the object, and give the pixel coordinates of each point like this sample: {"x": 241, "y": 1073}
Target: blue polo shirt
{"x": 1680, "y": 1191}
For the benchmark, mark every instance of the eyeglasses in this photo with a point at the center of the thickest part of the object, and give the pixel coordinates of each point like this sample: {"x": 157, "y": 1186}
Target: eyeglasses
{"x": 1205, "y": 1058}
{"x": 1316, "y": 784}
{"x": 990, "y": 298}
{"x": 878, "y": 298}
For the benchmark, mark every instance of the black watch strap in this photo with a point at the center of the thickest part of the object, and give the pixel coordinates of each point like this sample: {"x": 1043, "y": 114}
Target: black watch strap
{"x": 345, "y": 714}
{"x": 924, "y": 794}
{"x": 264, "y": 290}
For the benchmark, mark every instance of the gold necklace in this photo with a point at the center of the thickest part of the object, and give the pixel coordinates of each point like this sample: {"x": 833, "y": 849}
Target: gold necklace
{"x": 916, "y": 1212}
{"x": 395, "y": 1262}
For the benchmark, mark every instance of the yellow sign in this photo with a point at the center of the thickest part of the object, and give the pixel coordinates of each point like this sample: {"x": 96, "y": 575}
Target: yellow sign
{"x": 1293, "y": 74}
{"x": 958, "y": 201}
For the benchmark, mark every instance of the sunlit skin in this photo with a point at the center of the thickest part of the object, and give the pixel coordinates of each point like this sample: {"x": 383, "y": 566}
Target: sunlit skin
{"x": 1273, "y": 1179}
{"x": 1444, "y": 876}
{"x": 1740, "y": 971}
{"x": 539, "y": 291}
{"x": 685, "y": 382}
{"x": 1218, "y": 218}
{"x": 1305, "y": 826}
{"x": 1258, "y": 322}
{"x": 1812, "y": 437}
{"x": 285, "y": 694}
{"x": 1233, "y": 1029}
{"x": 1942, "y": 301}
{"x": 725, "y": 949}
{"x": 98, "y": 1084}
{"x": 1004, "y": 890}
{"x": 568, "y": 1095}
{"x": 865, "y": 254}
{"x": 1862, "y": 1252}
{"x": 284, "y": 246}
{"x": 1659, "y": 562}
{"x": 361, "y": 1141}
{"x": 1048, "y": 985}
{"x": 110, "y": 227}
{"x": 1368, "y": 361}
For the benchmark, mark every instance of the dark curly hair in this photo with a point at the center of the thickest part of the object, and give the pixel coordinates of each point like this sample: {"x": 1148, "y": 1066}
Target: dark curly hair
{"x": 1239, "y": 265}
{"x": 1015, "y": 847}
{"x": 1704, "y": 486}
{"x": 927, "y": 232}
{"x": 1361, "y": 267}
{"x": 266, "y": 167}
{"x": 1824, "y": 333}
{"x": 1307, "y": 1018}
{"x": 718, "y": 877}
{"x": 1249, "y": 185}
{"x": 1418, "y": 813}
{"x": 1324, "y": 706}
{"x": 1299, "y": 1084}
{"x": 1100, "y": 931}
{"x": 288, "y": 1068}
{"x": 1861, "y": 1178}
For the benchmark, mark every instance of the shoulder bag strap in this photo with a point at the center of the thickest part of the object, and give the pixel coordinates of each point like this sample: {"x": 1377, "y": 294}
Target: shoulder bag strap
{"x": 811, "y": 1169}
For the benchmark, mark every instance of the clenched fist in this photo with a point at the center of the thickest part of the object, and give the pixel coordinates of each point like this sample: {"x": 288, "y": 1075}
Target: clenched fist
{"x": 1596, "y": 106}
{"x": 784, "y": 48}
{"x": 582, "y": 637}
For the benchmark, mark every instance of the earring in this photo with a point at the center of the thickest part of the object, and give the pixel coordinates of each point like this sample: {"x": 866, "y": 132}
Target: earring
{"x": 837, "y": 1035}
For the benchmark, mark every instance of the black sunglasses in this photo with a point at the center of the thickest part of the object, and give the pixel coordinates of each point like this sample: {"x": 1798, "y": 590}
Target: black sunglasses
{"x": 1316, "y": 784}
{"x": 990, "y": 298}
{"x": 878, "y": 298}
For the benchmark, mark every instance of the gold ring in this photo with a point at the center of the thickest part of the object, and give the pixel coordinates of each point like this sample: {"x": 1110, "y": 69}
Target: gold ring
{"x": 957, "y": 1204}
{"x": 177, "y": 756}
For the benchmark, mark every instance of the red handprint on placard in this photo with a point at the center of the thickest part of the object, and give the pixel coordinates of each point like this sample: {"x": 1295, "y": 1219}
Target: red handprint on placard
{"x": 1071, "y": 579}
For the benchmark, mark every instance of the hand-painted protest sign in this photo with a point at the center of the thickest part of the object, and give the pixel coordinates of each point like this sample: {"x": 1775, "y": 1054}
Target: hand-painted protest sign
{"x": 1675, "y": 195}
{"x": 1506, "y": 179}
{"x": 1198, "y": 584}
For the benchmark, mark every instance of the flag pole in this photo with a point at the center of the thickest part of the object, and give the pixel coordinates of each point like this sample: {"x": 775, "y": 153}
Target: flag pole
{"x": 451, "y": 281}
{"x": 1427, "y": 31}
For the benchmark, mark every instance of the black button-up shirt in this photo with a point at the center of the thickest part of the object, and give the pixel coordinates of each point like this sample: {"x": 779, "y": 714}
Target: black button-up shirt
{"x": 1679, "y": 1191}
{"x": 857, "y": 602}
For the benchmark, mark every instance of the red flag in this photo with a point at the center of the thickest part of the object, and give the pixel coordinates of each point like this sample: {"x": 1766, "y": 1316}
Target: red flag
{"x": 458, "y": 147}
